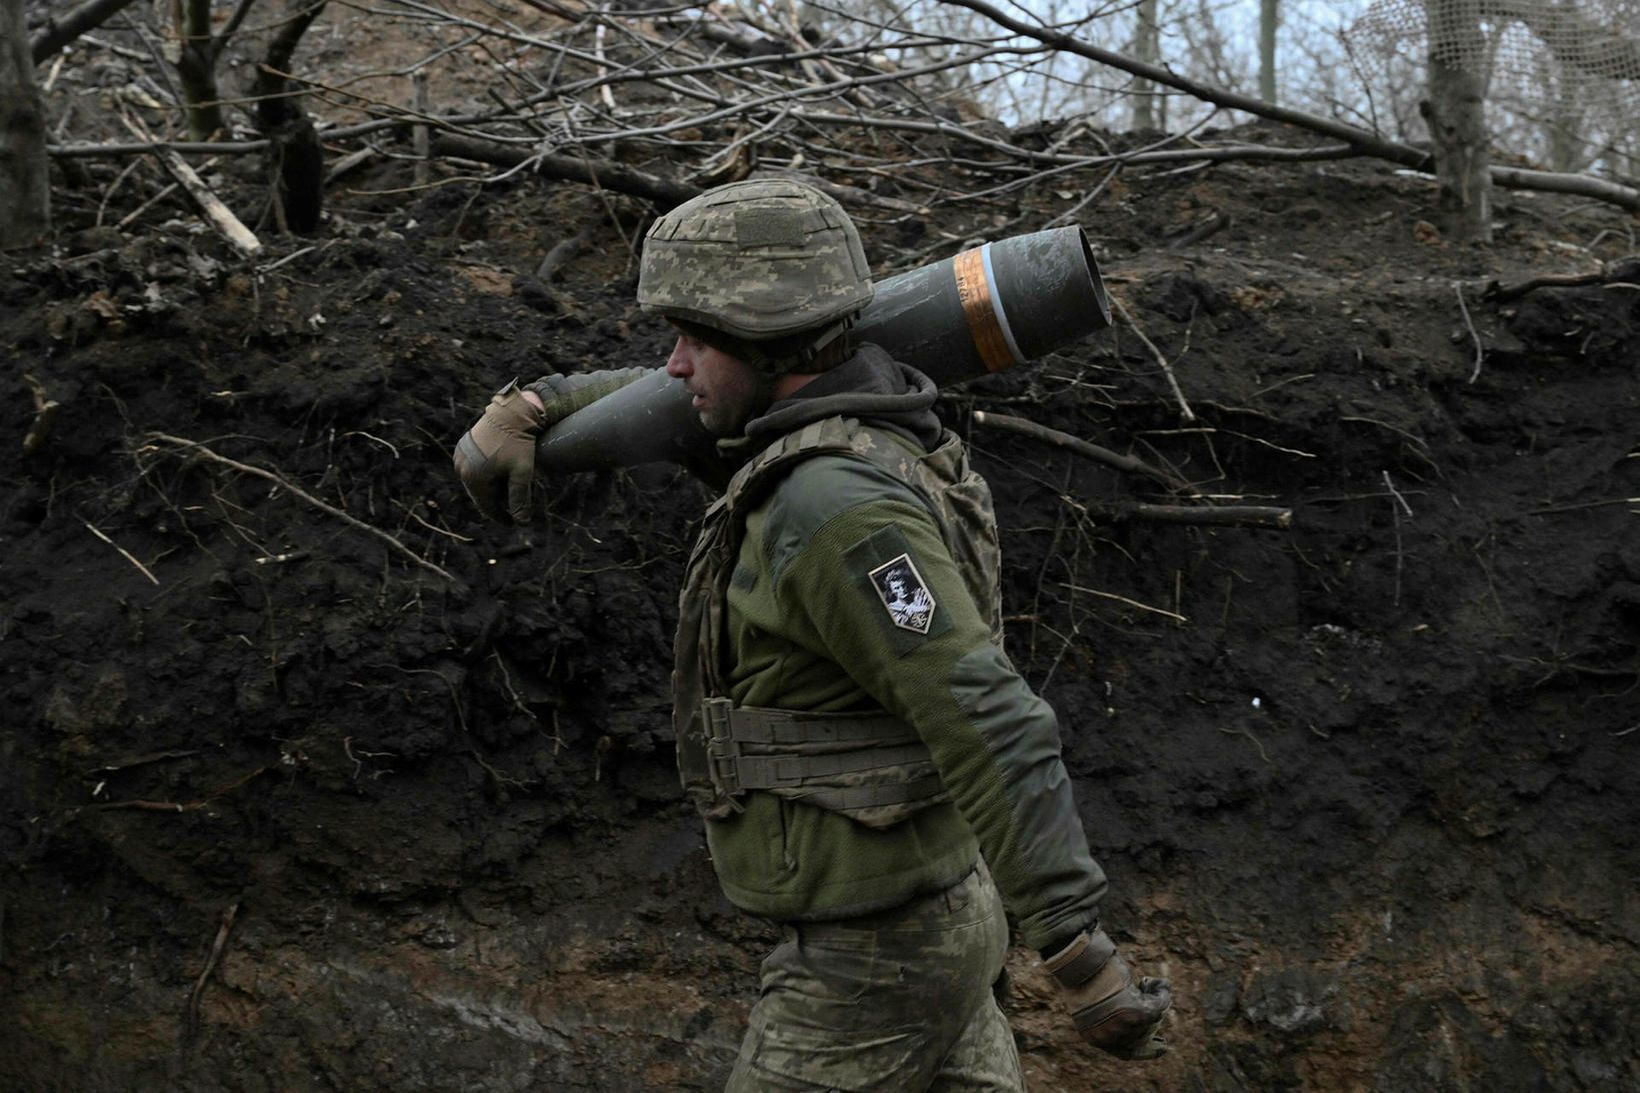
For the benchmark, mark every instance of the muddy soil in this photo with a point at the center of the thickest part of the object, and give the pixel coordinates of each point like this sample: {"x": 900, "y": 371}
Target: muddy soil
{"x": 310, "y": 779}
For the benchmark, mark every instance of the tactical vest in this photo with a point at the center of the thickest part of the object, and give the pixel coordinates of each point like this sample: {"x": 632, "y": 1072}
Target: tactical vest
{"x": 869, "y": 766}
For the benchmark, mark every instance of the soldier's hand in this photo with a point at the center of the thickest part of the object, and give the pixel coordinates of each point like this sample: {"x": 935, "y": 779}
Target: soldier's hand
{"x": 1112, "y": 1011}
{"x": 495, "y": 459}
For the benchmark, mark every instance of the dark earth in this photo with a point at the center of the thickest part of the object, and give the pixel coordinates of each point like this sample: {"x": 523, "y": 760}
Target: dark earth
{"x": 287, "y": 805}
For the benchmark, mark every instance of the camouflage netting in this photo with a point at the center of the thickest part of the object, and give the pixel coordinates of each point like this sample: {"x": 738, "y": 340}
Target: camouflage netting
{"x": 1570, "y": 67}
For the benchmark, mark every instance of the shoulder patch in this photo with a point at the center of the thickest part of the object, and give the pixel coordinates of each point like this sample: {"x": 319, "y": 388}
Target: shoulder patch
{"x": 905, "y": 596}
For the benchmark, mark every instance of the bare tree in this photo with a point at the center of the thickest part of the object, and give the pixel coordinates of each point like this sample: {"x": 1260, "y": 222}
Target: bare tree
{"x": 197, "y": 59}
{"x": 25, "y": 195}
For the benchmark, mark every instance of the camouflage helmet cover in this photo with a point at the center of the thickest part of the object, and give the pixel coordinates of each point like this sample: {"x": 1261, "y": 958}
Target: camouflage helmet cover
{"x": 759, "y": 260}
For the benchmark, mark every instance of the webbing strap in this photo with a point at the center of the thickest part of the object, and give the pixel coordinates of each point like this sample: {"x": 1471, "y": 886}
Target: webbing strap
{"x": 880, "y": 741}
{"x": 765, "y": 725}
{"x": 792, "y": 771}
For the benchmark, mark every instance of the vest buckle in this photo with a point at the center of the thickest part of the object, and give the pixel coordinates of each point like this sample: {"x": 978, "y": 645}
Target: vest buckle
{"x": 722, "y": 750}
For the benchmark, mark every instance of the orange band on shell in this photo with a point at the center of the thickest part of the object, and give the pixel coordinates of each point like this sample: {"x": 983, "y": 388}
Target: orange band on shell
{"x": 974, "y": 293}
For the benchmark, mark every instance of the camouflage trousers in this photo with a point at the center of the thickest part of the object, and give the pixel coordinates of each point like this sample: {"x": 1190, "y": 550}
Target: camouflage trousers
{"x": 894, "y": 1001}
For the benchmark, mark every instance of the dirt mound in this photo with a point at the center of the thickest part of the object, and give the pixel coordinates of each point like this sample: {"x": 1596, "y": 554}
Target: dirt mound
{"x": 1363, "y": 786}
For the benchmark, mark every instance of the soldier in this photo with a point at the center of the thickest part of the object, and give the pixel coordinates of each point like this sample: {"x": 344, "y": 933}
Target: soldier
{"x": 864, "y": 754}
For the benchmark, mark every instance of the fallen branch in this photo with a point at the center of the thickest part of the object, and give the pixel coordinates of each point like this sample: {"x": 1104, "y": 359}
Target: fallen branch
{"x": 59, "y": 32}
{"x": 1251, "y": 516}
{"x": 1623, "y": 271}
{"x": 602, "y": 174}
{"x": 1123, "y": 599}
{"x": 1261, "y": 516}
{"x": 229, "y": 226}
{"x": 1127, "y": 463}
{"x": 205, "y": 453}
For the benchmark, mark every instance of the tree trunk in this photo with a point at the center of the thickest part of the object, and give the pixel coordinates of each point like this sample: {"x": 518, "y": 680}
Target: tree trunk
{"x": 1147, "y": 48}
{"x": 1455, "y": 112}
{"x": 196, "y": 68}
{"x": 296, "y": 161}
{"x": 25, "y": 192}
{"x": 1269, "y": 17}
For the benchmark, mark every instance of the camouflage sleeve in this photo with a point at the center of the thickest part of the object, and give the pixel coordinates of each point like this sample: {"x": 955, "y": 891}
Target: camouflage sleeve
{"x": 863, "y": 565}
{"x": 563, "y": 395}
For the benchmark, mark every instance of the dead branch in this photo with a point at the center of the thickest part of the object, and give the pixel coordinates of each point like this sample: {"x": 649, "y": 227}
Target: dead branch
{"x": 126, "y": 554}
{"x": 602, "y": 174}
{"x": 229, "y": 226}
{"x": 59, "y": 32}
{"x": 1175, "y": 616}
{"x": 205, "y": 453}
{"x": 1126, "y": 463}
{"x": 142, "y": 760}
{"x": 1621, "y": 271}
{"x": 1167, "y": 368}
{"x": 1221, "y": 515}
{"x": 1254, "y": 516}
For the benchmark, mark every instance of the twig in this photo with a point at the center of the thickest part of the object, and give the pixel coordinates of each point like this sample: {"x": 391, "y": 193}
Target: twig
{"x": 191, "y": 1023}
{"x": 279, "y": 480}
{"x": 171, "y": 188}
{"x": 1610, "y": 274}
{"x": 664, "y": 192}
{"x": 126, "y": 554}
{"x": 59, "y": 32}
{"x": 1390, "y": 485}
{"x": 1395, "y": 515}
{"x": 1480, "y": 350}
{"x": 142, "y": 760}
{"x": 1127, "y": 463}
{"x": 1552, "y": 509}
{"x": 1257, "y": 516}
{"x": 1167, "y": 369}
{"x": 1123, "y": 599}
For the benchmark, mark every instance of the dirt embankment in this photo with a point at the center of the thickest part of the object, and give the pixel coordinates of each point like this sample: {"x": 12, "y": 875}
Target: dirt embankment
{"x": 1364, "y": 787}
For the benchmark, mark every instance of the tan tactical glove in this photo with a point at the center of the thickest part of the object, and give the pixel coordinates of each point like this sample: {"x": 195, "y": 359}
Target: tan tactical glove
{"x": 496, "y": 457}
{"x": 1111, "y": 1011}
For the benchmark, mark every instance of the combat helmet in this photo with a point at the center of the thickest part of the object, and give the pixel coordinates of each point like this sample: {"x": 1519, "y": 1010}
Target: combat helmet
{"x": 768, "y": 270}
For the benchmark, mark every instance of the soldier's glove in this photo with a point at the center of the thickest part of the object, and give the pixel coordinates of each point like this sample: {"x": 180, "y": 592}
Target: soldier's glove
{"x": 1111, "y": 1011}
{"x": 496, "y": 457}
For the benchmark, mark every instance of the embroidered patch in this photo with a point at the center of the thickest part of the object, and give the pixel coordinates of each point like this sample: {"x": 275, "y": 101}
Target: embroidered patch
{"x": 910, "y": 605}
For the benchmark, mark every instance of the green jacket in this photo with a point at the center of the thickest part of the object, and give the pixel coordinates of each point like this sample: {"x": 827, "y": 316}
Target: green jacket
{"x": 808, "y": 627}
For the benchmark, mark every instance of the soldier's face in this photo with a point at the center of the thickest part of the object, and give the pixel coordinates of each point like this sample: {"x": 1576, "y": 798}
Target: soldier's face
{"x": 727, "y": 392}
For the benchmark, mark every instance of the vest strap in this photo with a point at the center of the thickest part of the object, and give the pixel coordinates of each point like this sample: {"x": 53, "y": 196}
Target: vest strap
{"x": 795, "y": 746}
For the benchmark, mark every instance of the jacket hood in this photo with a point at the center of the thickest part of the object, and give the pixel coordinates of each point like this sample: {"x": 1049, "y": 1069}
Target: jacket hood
{"x": 869, "y": 385}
